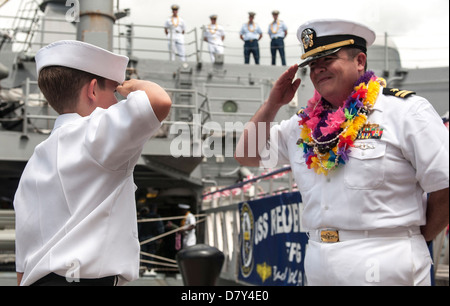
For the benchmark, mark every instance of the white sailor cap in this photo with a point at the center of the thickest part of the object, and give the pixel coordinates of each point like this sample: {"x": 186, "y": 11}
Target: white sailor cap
{"x": 323, "y": 37}
{"x": 184, "y": 206}
{"x": 85, "y": 57}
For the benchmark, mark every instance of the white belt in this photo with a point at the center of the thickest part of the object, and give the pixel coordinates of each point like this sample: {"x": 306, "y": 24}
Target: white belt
{"x": 334, "y": 235}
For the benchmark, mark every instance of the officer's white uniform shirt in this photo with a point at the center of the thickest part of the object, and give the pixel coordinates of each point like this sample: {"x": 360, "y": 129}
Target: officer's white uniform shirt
{"x": 213, "y": 34}
{"x": 176, "y": 27}
{"x": 75, "y": 205}
{"x": 277, "y": 29}
{"x": 383, "y": 183}
{"x": 250, "y": 31}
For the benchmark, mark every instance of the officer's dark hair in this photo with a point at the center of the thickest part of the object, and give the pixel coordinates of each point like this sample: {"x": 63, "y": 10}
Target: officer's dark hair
{"x": 62, "y": 86}
{"x": 353, "y": 52}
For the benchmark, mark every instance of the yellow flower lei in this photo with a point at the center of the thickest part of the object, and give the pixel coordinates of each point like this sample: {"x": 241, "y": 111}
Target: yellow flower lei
{"x": 278, "y": 27}
{"x": 211, "y": 29}
{"x": 178, "y": 22}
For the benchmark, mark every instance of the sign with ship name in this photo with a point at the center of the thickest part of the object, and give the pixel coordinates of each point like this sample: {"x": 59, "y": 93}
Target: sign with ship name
{"x": 273, "y": 242}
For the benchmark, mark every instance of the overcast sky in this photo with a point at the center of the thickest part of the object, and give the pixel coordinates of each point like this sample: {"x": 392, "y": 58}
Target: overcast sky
{"x": 420, "y": 29}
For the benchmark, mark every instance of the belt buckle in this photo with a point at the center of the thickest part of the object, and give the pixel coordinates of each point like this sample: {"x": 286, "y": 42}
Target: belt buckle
{"x": 329, "y": 236}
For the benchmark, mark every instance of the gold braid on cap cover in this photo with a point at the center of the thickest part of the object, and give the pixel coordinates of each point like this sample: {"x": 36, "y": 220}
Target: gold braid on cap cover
{"x": 328, "y": 47}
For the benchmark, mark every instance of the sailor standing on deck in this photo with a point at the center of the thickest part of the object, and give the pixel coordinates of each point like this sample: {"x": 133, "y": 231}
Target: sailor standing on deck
{"x": 75, "y": 204}
{"x": 277, "y": 32}
{"x": 364, "y": 158}
{"x": 175, "y": 29}
{"x": 251, "y": 33}
{"x": 214, "y": 35}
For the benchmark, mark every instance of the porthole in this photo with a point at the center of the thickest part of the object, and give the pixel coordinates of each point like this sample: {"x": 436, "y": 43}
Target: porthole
{"x": 230, "y": 107}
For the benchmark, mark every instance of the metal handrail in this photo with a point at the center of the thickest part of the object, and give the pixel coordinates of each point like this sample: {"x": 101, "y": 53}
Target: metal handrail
{"x": 250, "y": 181}
{"x": 195, "y": 107}
{"x": 7, "y": 219}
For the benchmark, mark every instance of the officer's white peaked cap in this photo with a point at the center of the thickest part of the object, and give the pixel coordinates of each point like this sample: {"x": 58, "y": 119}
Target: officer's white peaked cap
{"x": 323, "y": 37}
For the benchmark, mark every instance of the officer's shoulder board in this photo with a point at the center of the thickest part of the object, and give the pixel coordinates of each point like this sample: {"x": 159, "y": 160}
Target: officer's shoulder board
{"x": 399, "y": 93}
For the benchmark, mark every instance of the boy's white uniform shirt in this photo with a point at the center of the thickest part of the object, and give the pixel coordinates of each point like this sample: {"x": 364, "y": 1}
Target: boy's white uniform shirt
{"x": 75, "y": 205}
{"x": 382, "y": 186}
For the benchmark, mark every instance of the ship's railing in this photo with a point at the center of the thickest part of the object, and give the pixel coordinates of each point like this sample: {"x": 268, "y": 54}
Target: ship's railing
{"x": 7, "y": 233}
{"x": 7, "y": 219}
{"x": 29, "y": 34}
{"x": 161, "y": 263}
{"x": 134, "y": 40}
{"x": 199, "y": 106}
{"x": 136, "y": 35}
{"x": 248, "y": 189}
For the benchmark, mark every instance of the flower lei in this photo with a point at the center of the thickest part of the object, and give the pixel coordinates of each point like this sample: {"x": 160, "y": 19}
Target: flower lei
{"x": 211, "y": 30}
{"x": 326, "y": 135}
{"x": 178, "y": 22}
{"x": 278, "y": 27}
{"x": 254, "y": 27}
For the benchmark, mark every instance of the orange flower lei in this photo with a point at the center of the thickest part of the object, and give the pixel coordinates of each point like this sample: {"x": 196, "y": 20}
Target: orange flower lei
{"x": 278, "y": 27}
{"x": 178, "y": 21}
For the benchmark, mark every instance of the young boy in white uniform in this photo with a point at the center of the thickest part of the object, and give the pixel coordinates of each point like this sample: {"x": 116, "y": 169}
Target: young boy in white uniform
{"x": 175, "y": 28}
{"x": 75, "y": 204}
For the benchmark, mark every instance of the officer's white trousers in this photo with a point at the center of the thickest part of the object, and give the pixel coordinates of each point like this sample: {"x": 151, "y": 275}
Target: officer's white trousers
{"x": 403, "y": 261}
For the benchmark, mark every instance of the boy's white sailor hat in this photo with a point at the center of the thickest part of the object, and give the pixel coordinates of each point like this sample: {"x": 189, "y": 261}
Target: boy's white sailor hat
{"x": 85, "y": 57}
{"x": 323, "y": 37}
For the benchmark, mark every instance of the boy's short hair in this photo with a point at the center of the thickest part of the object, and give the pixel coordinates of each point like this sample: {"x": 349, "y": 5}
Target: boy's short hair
{"x": 62, "y": 86}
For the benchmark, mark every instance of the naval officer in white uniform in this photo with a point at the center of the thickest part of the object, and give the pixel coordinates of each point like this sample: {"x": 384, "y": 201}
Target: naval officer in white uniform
{"x": 175, "y": 28}
{"x": 364, "y": 157}
{"x": 214, "y": 35}
{"x": 75, "y": 204}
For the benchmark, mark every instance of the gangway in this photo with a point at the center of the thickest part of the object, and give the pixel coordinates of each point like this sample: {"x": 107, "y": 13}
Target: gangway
{"x": 231, "y": 226}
